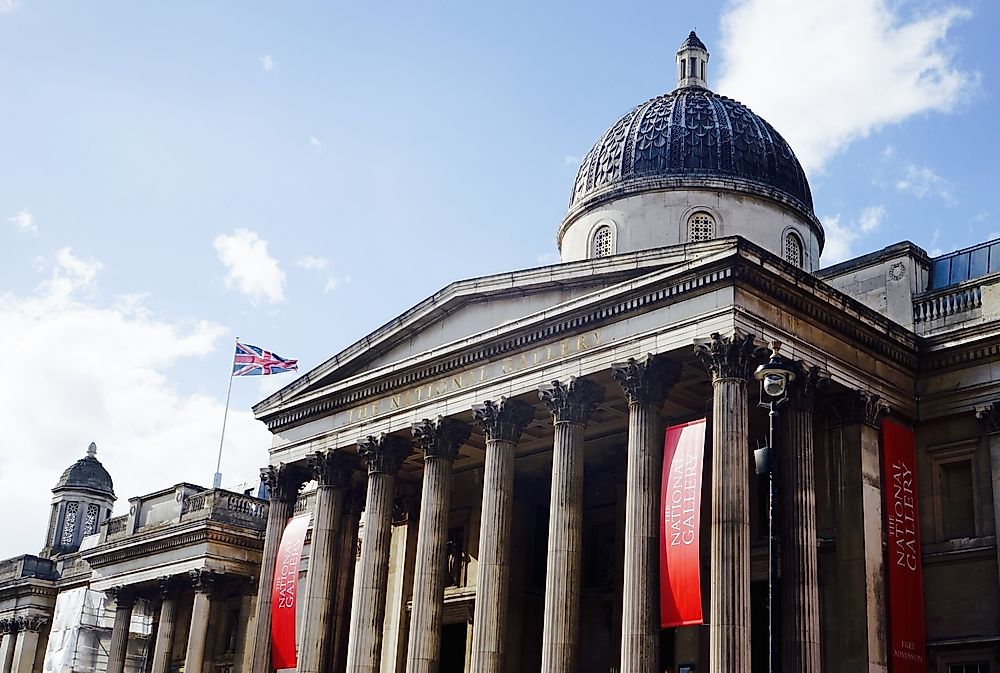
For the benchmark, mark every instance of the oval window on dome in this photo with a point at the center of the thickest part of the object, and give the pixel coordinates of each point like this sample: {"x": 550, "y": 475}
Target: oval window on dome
{"x": 793, "y": 249}
{"x": 604, "y": 242}
{"x": 701, "y": 227}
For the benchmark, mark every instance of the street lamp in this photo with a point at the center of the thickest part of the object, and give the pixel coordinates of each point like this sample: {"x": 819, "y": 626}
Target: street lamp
{"x": 774, "y": 376}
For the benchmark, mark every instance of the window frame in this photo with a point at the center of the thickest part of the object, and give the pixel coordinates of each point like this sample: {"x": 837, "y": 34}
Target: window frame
{"x": 792, "y": 234}
{"x": 600, "y": 225}
{"x": 949, "y": 454}
{"x": 690, "y": 220}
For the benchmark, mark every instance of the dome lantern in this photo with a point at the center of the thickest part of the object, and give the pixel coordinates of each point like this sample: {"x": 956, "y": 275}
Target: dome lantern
{"x": 81, "y": 500}
{"x": 692, "y": 63}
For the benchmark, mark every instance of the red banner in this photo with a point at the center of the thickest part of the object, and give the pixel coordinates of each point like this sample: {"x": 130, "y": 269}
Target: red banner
{"x": 284, "y": 593}
{"x": 680, "y": 525}
{"x": 906, "y": 589}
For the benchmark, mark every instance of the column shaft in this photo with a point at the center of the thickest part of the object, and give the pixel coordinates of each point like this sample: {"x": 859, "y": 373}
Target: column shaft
{"x": 346, "y": 566}
{"x": 561, "y": 622}
{"x": 729, "y": 604}
{"x": 7, "y": 647}
{"x": 371, "y": 576}
{"x": 493, "y": 582}
{"x": 194, "y": 660}
{"x": 317, "y": 627}
{"x": 119, "y": 634}
{"x": 165, "y": 635}
{"x": 423, "y": 653}
{"x": 25, "y": 650}
{"x": 994, "y": 441}
{"x": 640, "y": 652}
{"x": 800, "y": 635}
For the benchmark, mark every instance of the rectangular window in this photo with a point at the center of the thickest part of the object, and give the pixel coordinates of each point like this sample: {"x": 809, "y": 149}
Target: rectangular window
{"x": 694, "y": 67}
{"x": 995, "y": 258}
{"x": 979, "y": 262}
{"x": 958, "y": 516}
{"x": 940, "y": 273}
{"x": 959, "y": 268}
{"x": 703, "y": 70}
{"x": 978, "y": 667}
{"x": 683, "y": 69}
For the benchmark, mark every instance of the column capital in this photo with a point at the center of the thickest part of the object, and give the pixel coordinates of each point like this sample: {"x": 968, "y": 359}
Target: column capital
{"x": 384, "y": 454}
{"x": 729, "y": 357}
{"x": 571, "y": 402}
{"x": 647, "y": 380}
{"x": 503, "y": 420}
{"x": 202, "y": 580}
{"x": 332, "y": 468}
{"x": 33, "y": 623}
{"x": 859, "y": 407}
{"x": 124, "y": 596}
{"x": 167, "y": 586}
{"x": 8, "y": 626}
{"x": 440, "y": 438}
{"x": 284, "y": 481}
{"x": 989, "y": 416}
{"x": 809, "y": 383}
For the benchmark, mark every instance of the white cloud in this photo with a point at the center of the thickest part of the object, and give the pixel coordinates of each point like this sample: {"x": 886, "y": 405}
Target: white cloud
{"x": 333, "y": 282}
{"x": 315, "y": 142}
{"x": 310, "y": 263}
{"x": 8, "y": 6}
{"x": 827, "y": 73}
{"x": 267, "y": 62}
{"x": 251, "y": 269}
{"x": 547, "y": 258}
{"x": 922, "y": 181}
{"x": 24, "y": 221}
{"x": 86, "y": 371}
{"x": 570, "y": 160}
{"x": 840, "y": 237}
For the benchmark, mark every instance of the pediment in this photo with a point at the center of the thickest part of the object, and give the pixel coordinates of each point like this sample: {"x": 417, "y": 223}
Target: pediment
{"x": 473, "y": 307}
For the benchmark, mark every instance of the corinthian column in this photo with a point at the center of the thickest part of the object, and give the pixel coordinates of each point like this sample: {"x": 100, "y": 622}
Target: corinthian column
{"x": 347, "y": 555}
{"x": 439, "y": 440}
{"x": 124, "y": 598}
{"x": 8, "y": 630}
{"x": 202, "y": 581}
{"x": 167, "y": 625}
{"x": 729, "y": 360}
{"x": 283, "y": 483}
{"x": 860, "y": 561}
{"x": 502, "y": 424}
{"x": 646, "y": 383}
{"x": 383, "y": 455}
{"x": 571, "y": 406}
{"x": 989, "y": 415}
{"x": 27, "y": 643}
{"x": 332, "y": 472}
{"x": 800, "y": 635}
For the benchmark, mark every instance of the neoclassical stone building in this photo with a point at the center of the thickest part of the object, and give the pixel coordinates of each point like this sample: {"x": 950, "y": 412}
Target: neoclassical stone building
{"x": 483, "y": 472}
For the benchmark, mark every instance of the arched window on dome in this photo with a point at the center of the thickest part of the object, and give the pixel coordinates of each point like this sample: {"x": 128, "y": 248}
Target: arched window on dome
{"x": 701, "y": 227}
{"x": 793, "y": 249}
{"x": 603, "y": 244}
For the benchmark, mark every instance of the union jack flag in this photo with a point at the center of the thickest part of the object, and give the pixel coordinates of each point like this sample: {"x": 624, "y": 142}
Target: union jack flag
{"x": 255, "y": 361}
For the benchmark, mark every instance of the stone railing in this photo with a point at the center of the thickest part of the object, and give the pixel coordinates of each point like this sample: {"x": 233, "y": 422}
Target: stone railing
{"x": 225, "y": 506}
{"x": 945, "y": 304}
{"x": 116, "y": 527}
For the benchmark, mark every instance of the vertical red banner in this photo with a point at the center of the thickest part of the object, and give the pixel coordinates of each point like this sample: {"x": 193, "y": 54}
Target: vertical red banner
{"x": 284, "y": 593}
{"x": 680, "y": 525}
{"x": 906, "y": 589}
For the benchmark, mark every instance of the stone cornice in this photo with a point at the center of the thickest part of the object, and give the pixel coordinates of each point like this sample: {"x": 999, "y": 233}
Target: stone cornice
{"x": 163, "y": 541}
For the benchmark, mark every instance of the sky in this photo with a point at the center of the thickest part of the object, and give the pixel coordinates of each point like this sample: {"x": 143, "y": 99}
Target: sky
{"x": 175, "y": 175}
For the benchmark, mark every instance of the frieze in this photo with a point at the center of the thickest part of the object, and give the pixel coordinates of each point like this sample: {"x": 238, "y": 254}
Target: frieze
{"x": 102, "y": 557}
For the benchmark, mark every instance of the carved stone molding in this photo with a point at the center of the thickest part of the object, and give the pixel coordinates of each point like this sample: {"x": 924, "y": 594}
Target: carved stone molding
{"x": 332, "y": 468}
{"x": 284, "y": 481}
{"x": 504, "y": 420}
{"x": 989, "y": 415}
{"x": 203, "y": 580}
{"x": 807, "y": 386}
{"x": 124, "y": 596}
{"x": 440, "y": 438}
{"x": 571, "y": 402}
{"x": 385, "y": 453}
{"x": 8, "y": 626}
{"x": 32, "y": 623}
{"x": 647, "y": 380}
{"x": 729, "y": 357}
{"x": 858, "y": 407}
{"x": 168, "y": 586}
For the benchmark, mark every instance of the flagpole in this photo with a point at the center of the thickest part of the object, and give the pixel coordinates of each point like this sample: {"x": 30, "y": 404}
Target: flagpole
{"x": 217, "y": 479}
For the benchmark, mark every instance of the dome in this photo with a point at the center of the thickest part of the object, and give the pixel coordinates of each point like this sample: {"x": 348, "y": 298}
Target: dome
{"x": 691, "y": 137}
{"x": 86, "y": 474}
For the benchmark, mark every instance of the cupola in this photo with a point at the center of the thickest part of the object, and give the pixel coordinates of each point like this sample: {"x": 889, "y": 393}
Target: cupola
{"x": 81, "y": 500}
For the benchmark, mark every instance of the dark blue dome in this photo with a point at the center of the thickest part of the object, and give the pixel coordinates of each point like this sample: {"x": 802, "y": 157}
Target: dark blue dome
{"x": 87, "y": 474}
{"x": 691, "y": 138}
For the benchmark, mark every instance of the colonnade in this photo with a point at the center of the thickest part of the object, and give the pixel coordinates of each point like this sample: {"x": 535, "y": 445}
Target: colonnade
{"x": 646, "y": 382}
{"x": 19, "y": 646}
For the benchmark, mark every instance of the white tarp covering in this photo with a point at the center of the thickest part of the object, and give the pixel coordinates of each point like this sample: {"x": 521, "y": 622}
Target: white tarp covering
{"x": 74, "y": 608}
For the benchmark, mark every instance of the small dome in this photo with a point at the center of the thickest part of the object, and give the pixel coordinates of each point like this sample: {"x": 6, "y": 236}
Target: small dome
{"x": 691, "y": 137}
{"x": 693, "y": 41}
{"x": 86, "y": 474}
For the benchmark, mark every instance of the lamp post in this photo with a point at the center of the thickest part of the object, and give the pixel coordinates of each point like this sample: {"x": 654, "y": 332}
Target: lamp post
{"x": 774, "y": 377}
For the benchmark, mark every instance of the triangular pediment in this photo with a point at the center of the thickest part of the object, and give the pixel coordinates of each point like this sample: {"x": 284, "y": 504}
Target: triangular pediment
{"x": 473, "y": 307}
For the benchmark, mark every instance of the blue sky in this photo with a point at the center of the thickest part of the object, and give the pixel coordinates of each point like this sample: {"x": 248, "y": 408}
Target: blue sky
{"x": 176, "y": 174}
